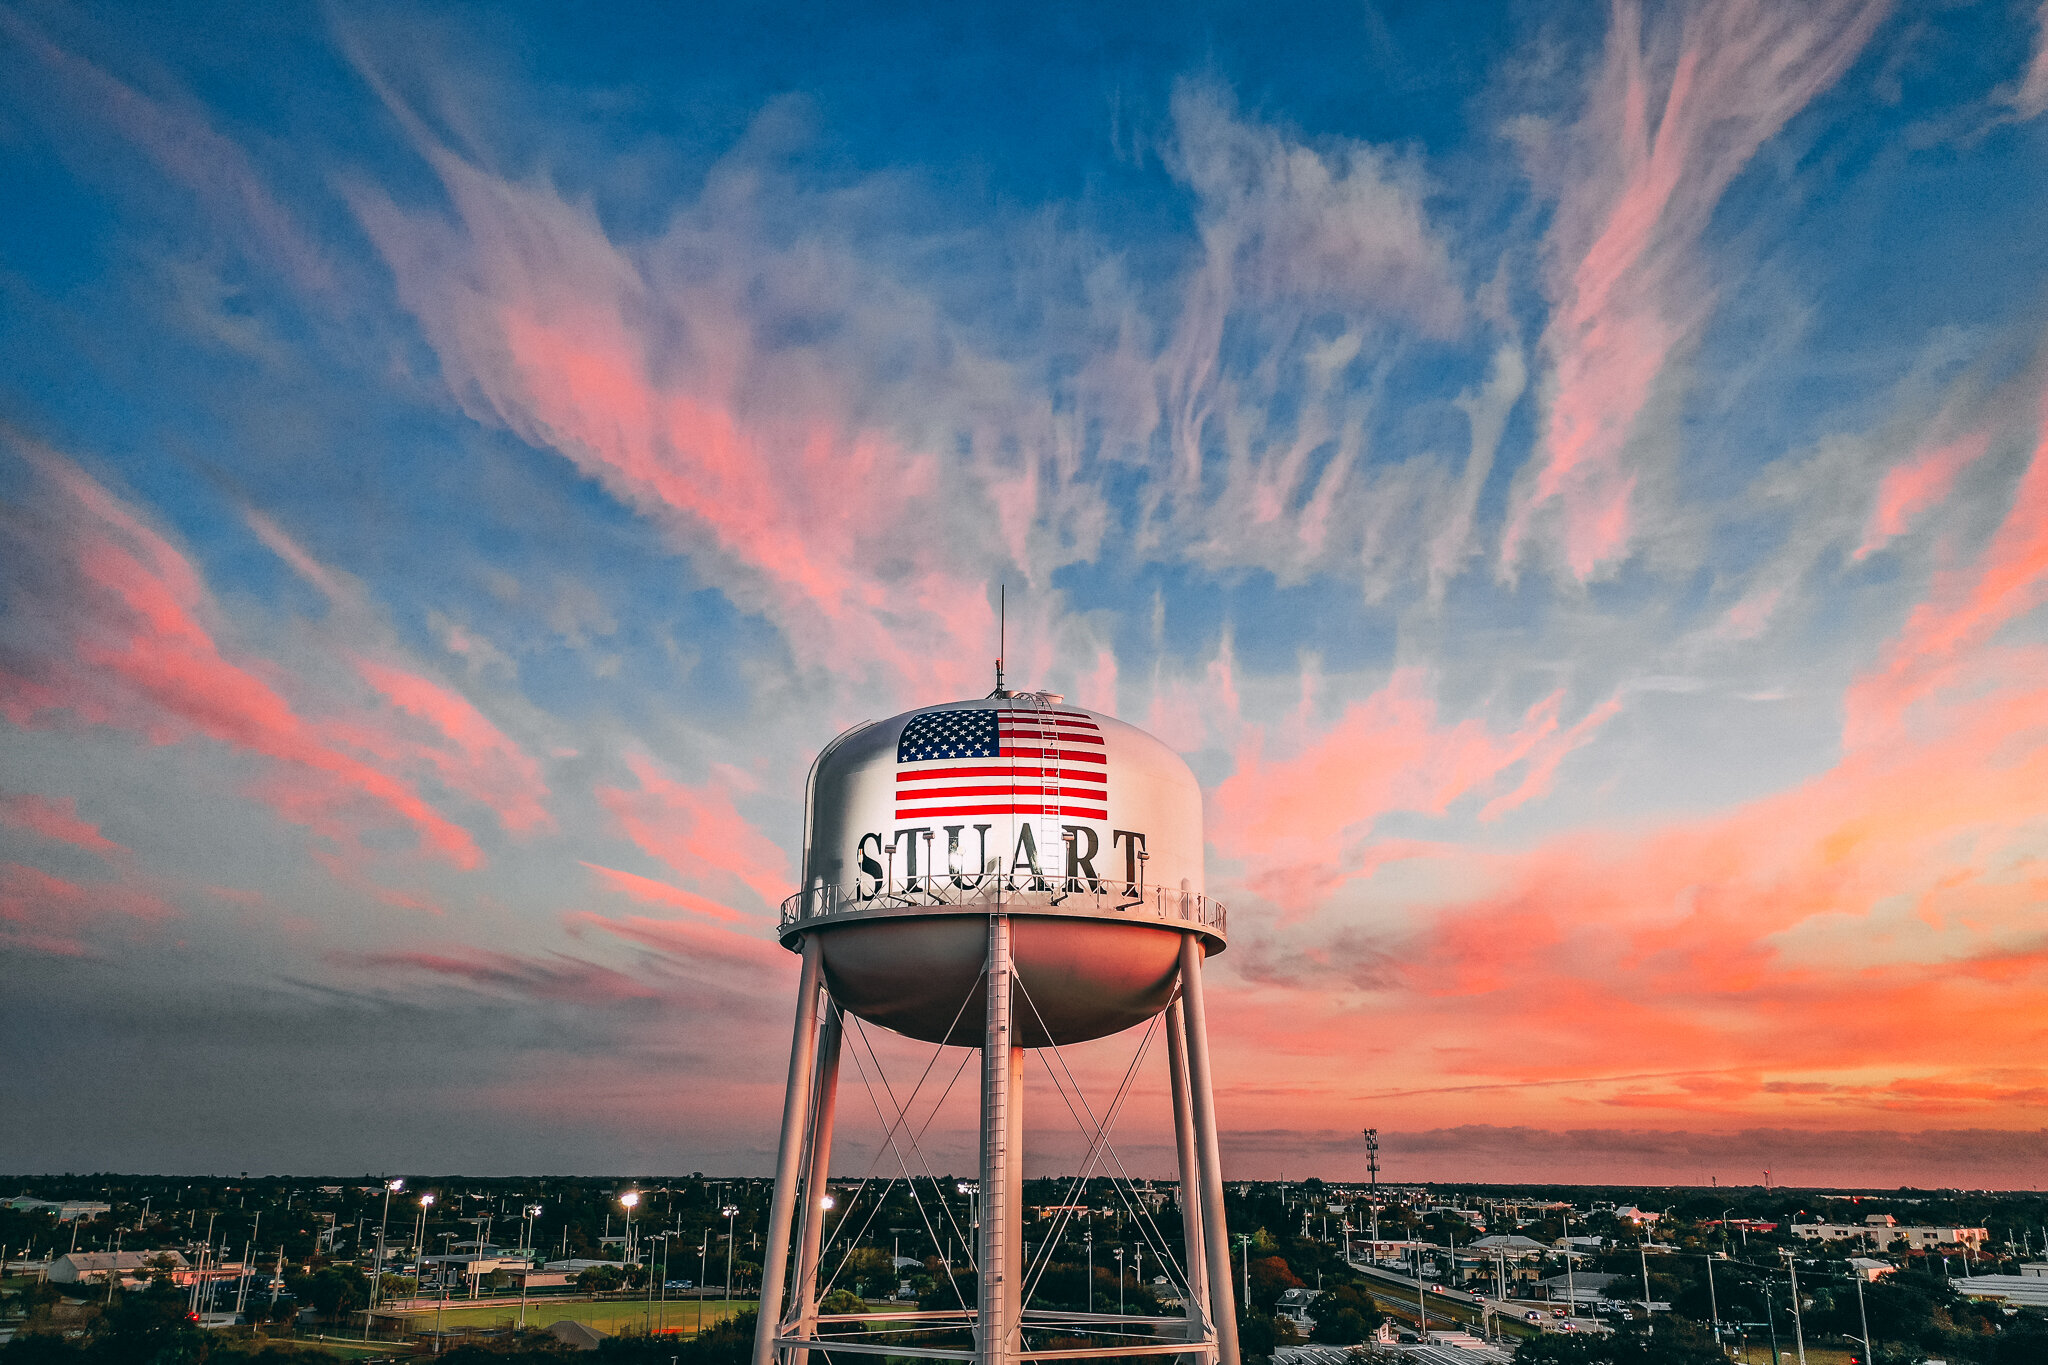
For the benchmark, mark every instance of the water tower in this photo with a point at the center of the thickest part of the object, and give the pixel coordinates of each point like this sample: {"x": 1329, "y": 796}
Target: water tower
{"x": 1008, "y": 873}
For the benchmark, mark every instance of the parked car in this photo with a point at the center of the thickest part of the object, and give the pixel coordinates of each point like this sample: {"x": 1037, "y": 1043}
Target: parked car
{"x": 678, "y": 1284}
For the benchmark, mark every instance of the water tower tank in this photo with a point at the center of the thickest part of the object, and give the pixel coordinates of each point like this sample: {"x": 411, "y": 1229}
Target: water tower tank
{"x": 1085, "y": 830}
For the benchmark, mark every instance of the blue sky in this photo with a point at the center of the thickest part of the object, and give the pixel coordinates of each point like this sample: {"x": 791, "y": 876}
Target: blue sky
{"x": 1567, "y": 478}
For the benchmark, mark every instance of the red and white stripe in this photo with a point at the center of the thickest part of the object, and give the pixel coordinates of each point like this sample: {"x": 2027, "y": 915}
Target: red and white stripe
{"x": 1065, "y": 745}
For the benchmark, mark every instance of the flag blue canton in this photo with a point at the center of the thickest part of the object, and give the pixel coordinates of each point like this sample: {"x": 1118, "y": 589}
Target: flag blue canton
{"x": 949, "y": 734}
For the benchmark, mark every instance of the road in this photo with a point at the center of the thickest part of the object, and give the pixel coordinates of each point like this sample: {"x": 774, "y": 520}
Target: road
{"x": 1395, "y": 1294}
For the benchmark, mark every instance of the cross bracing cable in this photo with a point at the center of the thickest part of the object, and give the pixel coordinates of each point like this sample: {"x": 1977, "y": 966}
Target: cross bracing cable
{"x": 966, "y": 1056}
{"x": 1099, "y": 1140}
{"x": 929, "y": 1172}
{"x": 907, "y": 1176}
{"x": 1139, "y": 1215}
{"x": 889, "y": 1132}
{"x": 1143, "y": 1217}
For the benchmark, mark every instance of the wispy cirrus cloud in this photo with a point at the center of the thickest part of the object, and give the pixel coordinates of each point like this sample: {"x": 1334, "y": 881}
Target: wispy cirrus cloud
{"x": 697, "y": 831}
{"x": 123, "y": 633}
{"x": 1657, "y": 146}
{"x": 58, "y": 917}
{"x": 56, "y": 819}
{"x": 1754, "y": 959}
{"x": 648, "y": 891}
{"x": 1298, "y": 820}
{"x": 555, "y": 977}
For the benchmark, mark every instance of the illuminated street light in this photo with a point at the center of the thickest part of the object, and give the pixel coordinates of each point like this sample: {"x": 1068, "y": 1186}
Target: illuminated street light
{"x": 731, "y": 1211}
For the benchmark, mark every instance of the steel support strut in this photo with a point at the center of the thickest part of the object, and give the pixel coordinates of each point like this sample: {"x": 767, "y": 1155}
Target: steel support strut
{"x": 824, "y": 1102}
{"x": 1190, "y": 1173}
{"x": 1222, "y": 1309}
{"x": 996, "y": 1330}
{"x": 796, "y": 1106}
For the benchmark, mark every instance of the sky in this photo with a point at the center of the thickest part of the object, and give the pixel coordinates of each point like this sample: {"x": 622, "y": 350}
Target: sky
{"x": 1571, "y": 479}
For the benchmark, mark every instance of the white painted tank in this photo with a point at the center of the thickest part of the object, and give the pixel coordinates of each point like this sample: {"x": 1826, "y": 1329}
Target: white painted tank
{"x": 1087, "y": 831}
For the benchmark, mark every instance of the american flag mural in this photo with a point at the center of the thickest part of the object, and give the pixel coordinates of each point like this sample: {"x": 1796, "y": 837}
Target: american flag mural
{"x": 1001, "y": 761}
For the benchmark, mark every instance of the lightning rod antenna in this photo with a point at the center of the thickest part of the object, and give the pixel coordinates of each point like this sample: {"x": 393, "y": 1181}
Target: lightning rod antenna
{"x": 1002, "y": 636}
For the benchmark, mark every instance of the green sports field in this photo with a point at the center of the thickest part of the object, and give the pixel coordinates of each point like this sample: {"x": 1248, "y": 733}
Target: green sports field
{"x": 609, "y": 1315}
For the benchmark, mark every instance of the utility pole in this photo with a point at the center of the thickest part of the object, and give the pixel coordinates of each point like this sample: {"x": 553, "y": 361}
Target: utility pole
{"x": 1869, "y": 1351}
{"x": 1245, "y": 1241}
{"x": 1642, "y": 1251}
{"x": 1421, "y": 1303}
{"x": 1713, "y": 1303}
{"x": 1798, "y": 1325}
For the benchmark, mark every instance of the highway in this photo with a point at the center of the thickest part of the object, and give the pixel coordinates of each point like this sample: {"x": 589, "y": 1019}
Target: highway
{"x": 1394, "y": 1293}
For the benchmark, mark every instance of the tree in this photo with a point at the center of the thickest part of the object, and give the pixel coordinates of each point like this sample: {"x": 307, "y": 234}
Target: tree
{"x": 843, "y": 1301}
{"x": 600, "y": 1279}
{"x": 1271, "y": 1275}
{"x": 1344, "y": 1316}
{"x": 334, "y": 1291}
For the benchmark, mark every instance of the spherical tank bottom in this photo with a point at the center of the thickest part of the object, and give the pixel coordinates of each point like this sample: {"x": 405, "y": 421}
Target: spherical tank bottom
{"x": 1078, "y": 978}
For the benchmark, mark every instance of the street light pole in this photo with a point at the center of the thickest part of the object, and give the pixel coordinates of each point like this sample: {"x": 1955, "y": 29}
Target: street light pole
{"x": 1642, "y": 1251}
{"x": 1119, "y": 1281}
{"x": 1244, "y": 1240}
{"x": 1798, "y": 1325}
{"x": 629, "y": 1199}
{"x": 377, "y": 1279}
{"x": 1869, "y": 1351}
{"x": 1088, "y": 1241}
{"x": 731, "y": 1212}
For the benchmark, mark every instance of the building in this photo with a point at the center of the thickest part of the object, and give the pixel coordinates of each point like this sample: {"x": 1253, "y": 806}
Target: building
{"x": 2016, "y": 1291}
{"x": 577, "y": 1336}
{"x": 1513, "y": 1246}
{"x": 1870, "y": 1271}
{"x": 93, "y": 1267}
{"x": 1882, "y": 1231}
{"x": 1630, "y": 1213}
{"x": 470, "y": 1269}
{"x": 1293, "y": 1305}
{"x": 65, "y": 1209}
{"x": 1589, "y": 1286}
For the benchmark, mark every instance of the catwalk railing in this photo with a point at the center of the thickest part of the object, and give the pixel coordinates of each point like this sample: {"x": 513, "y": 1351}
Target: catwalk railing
{"x": 998, "y": 891}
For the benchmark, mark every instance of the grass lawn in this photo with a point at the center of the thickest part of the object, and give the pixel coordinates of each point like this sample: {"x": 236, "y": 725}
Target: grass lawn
{"x": 347, "y": 1350}
{"x": 610, "y": 1315}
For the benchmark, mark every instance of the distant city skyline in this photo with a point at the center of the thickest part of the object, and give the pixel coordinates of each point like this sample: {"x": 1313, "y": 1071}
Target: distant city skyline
{"x": 1572, "y": 481}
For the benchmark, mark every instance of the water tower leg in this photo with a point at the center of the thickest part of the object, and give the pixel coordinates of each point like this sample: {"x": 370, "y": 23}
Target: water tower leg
{"x": 1190, "y": 1175}
{"x": 995, "y": 1334}
{"x": 825, "y": 1096}
{"x": 1208, "y": 1154}
{"x": 796, "y": 1108}
{"x": 1013, "y": 1299}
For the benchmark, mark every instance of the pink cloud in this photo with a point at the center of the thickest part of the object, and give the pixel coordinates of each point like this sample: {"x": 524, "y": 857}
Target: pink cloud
{"x": 686, "y": 940}
{"x": 125, "y": 646}
{"x": 650, "y": 892}
{"x": 1944, "y": 639}
{"x": 42, "y": 913}
{"x": 186, "y": 147}
{"x": 648, "y": 380}
{"x": 474, "y": 757}
{"x": 57, "y": 820}
{"x": 553, "y": 977}
{"x": 1920, "y": 483}
{"x": 1294, "y": 819}
{"x": 1857, "y": 946}
{"x": 1625, "y": 295}
{"x": 697, "y": 831}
